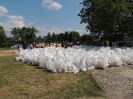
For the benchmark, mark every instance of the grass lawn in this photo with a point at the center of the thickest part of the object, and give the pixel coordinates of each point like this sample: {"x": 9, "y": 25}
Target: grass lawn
{"x": 21, "y": 81}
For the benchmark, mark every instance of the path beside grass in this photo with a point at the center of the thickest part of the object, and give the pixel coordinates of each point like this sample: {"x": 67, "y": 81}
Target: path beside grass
{"x": 116, "y": 81}
{"x": 21, "y": 81}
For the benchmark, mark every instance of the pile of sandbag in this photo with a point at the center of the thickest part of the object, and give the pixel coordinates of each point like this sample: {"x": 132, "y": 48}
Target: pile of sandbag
{"x": 76, "y": 58}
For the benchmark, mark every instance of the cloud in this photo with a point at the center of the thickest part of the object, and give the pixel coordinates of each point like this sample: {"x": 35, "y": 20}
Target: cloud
{"x": 82, "y": 32}
{"x": 55, "y": 30}
{"x": 12, "y": 21}
{"x": 51, "y": 5}
{"x": 3, "y": 10}
{"x": 29, "y": 24}
{"x": 15, "y": 21}
{"x": 43, "y": 31}
{"x": 13, "y": 17}
{"x": 18, "y": 21}
{"x": 69, "y": 29}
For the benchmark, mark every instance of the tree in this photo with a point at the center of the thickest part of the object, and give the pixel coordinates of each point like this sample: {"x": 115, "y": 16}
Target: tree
{"x": 66, "y": 36}
{"x": 86, "y": 37}
{"x": 107, "y": 18}
{"x": 60, "y": 37}
{"x": 17, "y": 33}
{"x": 24, "y": 34}
{"x": 49, "y": 38}
{"x": 3, "y": 36}
{"x": 30, "y": 34}
{"x": 54, "y": 38}
{"x": 73, "y": 35}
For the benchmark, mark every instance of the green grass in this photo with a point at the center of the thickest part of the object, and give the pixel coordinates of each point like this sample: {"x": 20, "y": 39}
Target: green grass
{"x": 6, "y": 48}
{"x": 86, "y": 87}
{"x": 21, "y": 81}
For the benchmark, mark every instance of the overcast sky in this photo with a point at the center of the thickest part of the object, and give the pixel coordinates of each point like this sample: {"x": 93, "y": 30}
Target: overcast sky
{"x": 45, "y": 15}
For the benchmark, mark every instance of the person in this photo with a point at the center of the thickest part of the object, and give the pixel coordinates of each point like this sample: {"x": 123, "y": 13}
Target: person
{"x": 31, "y": 46}
{"x": 114, "y": 44}
{"x": 62, "y": 44}
{"x": 107, "y": 42}
{"x": 24, "y": 45}
{"x": 18, "y": 46}
{"x": 34, "y": 44}
{"x": 71, "y": 44}
{"x": 65, "y": 45}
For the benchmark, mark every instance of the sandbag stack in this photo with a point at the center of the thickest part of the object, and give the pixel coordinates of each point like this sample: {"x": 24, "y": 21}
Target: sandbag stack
{"x": 76, "y": 58}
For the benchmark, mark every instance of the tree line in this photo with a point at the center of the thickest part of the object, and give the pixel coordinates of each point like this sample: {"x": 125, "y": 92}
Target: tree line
{"x": 19, "y": 35}
{"x": 105, "y": 19}
{"x": 28, "y": 35}
{"x": 71, "y": 36}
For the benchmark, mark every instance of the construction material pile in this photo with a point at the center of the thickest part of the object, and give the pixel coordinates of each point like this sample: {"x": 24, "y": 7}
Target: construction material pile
{"x": 76, "y": 58}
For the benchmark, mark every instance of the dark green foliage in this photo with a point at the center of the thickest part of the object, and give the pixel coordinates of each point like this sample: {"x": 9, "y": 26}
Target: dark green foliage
{"x": 54, "y": 37}
{"x": 73, "y": 36}
{"x": 3, "y": 36}
{"x": 63, "y": 37}
{"x": 49, "y": 38}
{"x": 24, "y": 34}
{"x": 107, "y": 18}
{"x": 86, "y": 37}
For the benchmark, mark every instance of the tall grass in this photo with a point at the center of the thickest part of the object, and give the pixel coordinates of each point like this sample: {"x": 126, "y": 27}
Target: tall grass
{"x": 21, "y": 81}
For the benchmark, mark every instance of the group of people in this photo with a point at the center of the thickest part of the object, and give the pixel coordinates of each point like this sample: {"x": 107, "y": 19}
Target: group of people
{"x": 42, "y": 45}
{"x": 63, "y": 45}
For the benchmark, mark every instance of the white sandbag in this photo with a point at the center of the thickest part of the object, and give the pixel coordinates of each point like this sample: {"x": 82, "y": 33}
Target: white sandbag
{"x": 82, "y": 65}
{"x": 75, "y": 69}
{"x": 76, "y": 58}
{"x": 77, "y": 64}
{"x": 103, "y": 59}
{"x": 64, "y": 67}
{"x": 69, "y": 66}
{"x": 89, "y": 63}
{"x": 42, "y": 62}
{"x": 58, "y": 66}
{"x": 35, "y": 60}
{"x": 94, "y": 61}
{"x": 115, "y": 61}
{"x": 18, "y": 58}
{"x": 50, "y": 66}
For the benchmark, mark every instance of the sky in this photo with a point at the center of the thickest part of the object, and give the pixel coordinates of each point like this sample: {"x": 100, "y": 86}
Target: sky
{"x": 46, "y": 16}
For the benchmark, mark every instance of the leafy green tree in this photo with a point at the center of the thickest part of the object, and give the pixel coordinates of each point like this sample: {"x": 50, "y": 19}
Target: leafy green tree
{"x": 54, "y": 37}
{"x": 86, "y": 37}
{"x": 66, "y": 36}
{"x": 3, "y": 36}
{"x": 30, "y": 34}
{"x": 24, "y": 34}
{"x": 17, "y": 33}
{"x": 73, "y": 35}
{"x": 60, "y": 37}
{"x": 48, "y": 38}
{"x": 107, "y": 18}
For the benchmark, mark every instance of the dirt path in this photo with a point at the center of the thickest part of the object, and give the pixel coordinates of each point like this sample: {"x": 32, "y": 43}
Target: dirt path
{"x": 116, "y": 81}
